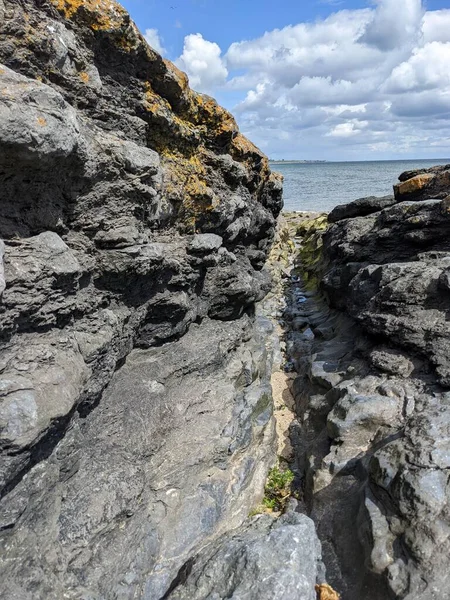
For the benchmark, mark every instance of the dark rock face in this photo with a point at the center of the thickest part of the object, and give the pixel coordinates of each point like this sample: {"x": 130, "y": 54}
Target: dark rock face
{"x": 133, "y": 213}
{"x": 373, "y": 393}
{"x": 360, "y": 208}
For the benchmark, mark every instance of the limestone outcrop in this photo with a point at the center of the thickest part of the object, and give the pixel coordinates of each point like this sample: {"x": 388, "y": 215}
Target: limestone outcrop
{"x": 370, "y": 342}
{"x": 135, "y": 403}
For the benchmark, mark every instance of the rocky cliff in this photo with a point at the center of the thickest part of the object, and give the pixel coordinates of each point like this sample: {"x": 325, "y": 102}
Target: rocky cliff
{"x": 368, "y": 328}
{"x": 135, "y": 403}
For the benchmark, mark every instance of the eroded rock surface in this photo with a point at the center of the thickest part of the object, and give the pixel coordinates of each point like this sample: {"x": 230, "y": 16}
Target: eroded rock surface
{"x": 372, "y": 394}
{"x": 268, "y": 558}
{"x": 133, "y": 213}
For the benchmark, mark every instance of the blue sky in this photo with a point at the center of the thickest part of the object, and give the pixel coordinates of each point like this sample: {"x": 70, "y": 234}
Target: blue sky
{"x": 325, "y": 79}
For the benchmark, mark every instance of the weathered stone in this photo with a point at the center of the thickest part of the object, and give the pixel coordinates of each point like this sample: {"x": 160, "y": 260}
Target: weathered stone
{"x": 133, "y": 428}
{"x": 266, "y": 559}
{"x": 423, "y": 184}
{"x": 2, "y": 268}
{"x": 205, "y": 242}
{"x": 360, "y": 208}
{"x": 413, "y": 185}
{"x": 35, "y": 121}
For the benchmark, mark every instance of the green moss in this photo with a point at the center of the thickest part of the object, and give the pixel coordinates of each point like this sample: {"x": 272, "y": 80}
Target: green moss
{"x": 277, "y": 491}
{"x": 310, "y": 253}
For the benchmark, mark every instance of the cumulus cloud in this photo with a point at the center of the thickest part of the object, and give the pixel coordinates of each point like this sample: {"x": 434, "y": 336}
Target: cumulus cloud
{"x": 427, "y": 68}
{"x": 203, "y": 63}
{"x": 393, "y": 24}
{"x": 154, "y": 40}
{"x": 364, "y": 82}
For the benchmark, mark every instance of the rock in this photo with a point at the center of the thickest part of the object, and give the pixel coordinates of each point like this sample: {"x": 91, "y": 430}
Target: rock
{"x": 360, "y": 208}
{"x": 181, "y": 461}
{"x": 373, "y": 448}
{"x": 392, "y": 361}
{"x": 205, "y": 242}
{"x": 135, "y": 407}
{"x": 265, "y": 559}
{"x": 35, "y": 121}
{"x": 414, "y": 185}
{"x": 2, "y": 268}
{"x": 423, "y": 184}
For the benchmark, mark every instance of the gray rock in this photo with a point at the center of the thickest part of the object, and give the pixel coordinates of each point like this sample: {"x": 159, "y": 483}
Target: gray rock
{"x": 133, "y": 427}
{"x": 205, "y": 242}
{"x": 267, "y": 559}
{"x": 35, "y": 121}
{"x": 2, "y": 268}
{"x": 142, "y": 485}
{"x": 374, "y": 448}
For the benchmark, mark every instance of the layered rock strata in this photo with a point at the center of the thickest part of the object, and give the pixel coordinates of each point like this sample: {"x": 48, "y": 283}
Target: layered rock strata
{"x": 135, "y": 403}
{"x": 369, "y": 337}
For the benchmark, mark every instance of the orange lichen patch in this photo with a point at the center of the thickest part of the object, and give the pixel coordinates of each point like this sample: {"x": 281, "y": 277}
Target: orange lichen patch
{"x": 245, "y": 146}
{"x": 84, "y": 77}
{"x": 204, "y": 110}
{"x": 180, "y": 77}
{"x": 325, "y": 592}
{"x": 41, "y": 121}
{"x": 186, "y": 183}
{"x": 414, "y": 184}
{"x": 104, "y": 14}
{"x": 153, "y": 101}
{"x": 2, "y": 71}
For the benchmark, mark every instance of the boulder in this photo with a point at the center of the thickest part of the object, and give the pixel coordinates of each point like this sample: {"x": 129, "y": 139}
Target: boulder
{"x": 360, "y": 208}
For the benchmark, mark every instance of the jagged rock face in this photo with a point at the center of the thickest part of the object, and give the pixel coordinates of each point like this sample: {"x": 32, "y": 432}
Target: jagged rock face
{"x": 376, "y": 426}
{"x": 266, "y": 559}
{"x": 132, "y": 208}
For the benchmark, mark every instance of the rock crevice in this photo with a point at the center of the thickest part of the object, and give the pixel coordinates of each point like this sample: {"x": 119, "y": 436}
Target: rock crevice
{"x": 368, "y": 338}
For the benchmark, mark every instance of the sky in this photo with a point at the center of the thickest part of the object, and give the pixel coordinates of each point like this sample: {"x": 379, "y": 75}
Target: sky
{"x": 316, "y": 79}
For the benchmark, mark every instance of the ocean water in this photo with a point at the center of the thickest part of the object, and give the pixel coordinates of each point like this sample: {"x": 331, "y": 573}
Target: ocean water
{"x": 322, "y": 186}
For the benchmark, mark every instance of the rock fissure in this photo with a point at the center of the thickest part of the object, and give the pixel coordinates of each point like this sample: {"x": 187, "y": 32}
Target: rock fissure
{"x": 368, "y": 472}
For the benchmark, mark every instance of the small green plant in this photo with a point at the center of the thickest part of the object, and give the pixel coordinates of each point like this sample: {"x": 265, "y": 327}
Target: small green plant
{"x": 276, "y": 491}
{"x": 278, "y": 488}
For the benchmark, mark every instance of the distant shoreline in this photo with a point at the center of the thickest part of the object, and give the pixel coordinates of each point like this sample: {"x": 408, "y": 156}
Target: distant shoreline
{"x": 385, "y": 160}
{"x": 297, "y": 162}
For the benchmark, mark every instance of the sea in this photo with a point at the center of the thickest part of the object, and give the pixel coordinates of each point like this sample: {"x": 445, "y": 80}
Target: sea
{"x": 322, "y": 186}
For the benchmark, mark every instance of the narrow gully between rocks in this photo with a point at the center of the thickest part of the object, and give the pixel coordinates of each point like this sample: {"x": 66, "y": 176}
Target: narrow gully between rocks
{"x": 318, "y": 349}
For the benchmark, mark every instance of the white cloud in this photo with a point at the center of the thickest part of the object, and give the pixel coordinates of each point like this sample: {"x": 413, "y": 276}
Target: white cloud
{"x": 427, "y": 68}
{"x": 154, "y": 40}
{"x": 348, "y": 129}
{"x": 360, "y": 83}
{"x": 436, "y": 26}
{"x": 203, "y": 63}
{"x": 394, "y": 23}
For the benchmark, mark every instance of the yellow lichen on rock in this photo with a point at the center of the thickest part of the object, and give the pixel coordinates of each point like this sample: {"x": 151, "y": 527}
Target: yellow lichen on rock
{"x": 105, "y": 14}
{"x": 414, "y": 184}
{"x": 179, "y": 76}
{"x": 204, "y": 110}
{"x": 326, "y": 592}
{"x": 186, "y": 183}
